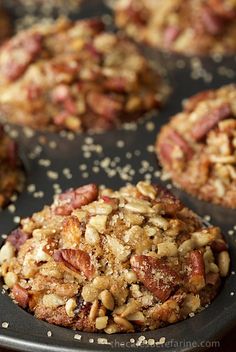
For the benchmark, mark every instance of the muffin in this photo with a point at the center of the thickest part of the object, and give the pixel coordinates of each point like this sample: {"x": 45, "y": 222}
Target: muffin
{"x": 114, "y": 261}
{"x": 198, "y": 146}
{"x": 75, "y": 76}
{"x": 11, "y": 172}
{"x": 188, "y": 27}
{"x": 5, "y": 25}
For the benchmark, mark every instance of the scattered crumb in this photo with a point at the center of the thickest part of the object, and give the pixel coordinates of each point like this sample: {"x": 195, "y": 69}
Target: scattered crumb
{"x": 77, "y": 337}
{"x": 16, "y": 219}
{"x": 12, "y": 208}
{"x": 5, "y": 325}
{"x": 151, "y": 342}
{"x": 52, "y": 174}
{"x": 102, "y": 341}
{"x": 161, "y": 341}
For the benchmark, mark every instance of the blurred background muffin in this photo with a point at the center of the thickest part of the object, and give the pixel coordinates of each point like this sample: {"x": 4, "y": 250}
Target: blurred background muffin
{"x": 75, "y": 76}
{"x": 189, "y": 27}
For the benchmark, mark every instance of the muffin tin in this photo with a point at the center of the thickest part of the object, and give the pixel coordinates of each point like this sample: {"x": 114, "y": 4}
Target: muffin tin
{"x": 55, "y": 162}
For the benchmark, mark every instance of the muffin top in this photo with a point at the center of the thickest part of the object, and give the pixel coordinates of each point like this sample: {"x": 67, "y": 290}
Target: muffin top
{"x": 198, "y": 146}
{"x": 189, "y": 27}
{"x": 75, "y": 76}
{"x": 129, "y": 260}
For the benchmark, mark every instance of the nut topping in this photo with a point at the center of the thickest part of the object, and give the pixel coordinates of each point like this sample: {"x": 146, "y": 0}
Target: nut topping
{"x": 210, "y": 120}
{"x": 21, "y": 295}
{"x": 156, "y": 276}
{"x": 76, "y": 260}
{"x": 75, "y": 199}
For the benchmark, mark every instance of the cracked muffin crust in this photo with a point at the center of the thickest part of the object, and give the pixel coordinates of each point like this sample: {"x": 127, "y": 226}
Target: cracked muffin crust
{"x": 75, "y": 76}
{"x": 115, "y": 261}
{"x": 189, "y": 27}
{"x": 198, "y": 147}
{"x": 11, "y": 172}
{"x": 5, "y": 25}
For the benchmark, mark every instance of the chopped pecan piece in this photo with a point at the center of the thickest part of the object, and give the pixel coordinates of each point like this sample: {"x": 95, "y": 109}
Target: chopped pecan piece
{"x": 197, "y": 270}
{"x": 167, "y": 146}
{"x": 223, "y": 9}
{"x": 176, "y": 138}
{"x": 12, "y": 153}
{"x": 166, "y": 150}
{"x": 22, "y": 51}
{"x": 116, "y": 84}
{"x": 93, "y": 51}
{"x": 170, "y": 204}
{"x": 50, "y": 246}
{"x": 138, "y": 15}
{"x": 112, "y": 201}
{"x": 212, "y": 278}
{"x": 212, "y": 22}
{"x": 168, "y": 312}
{"x": 192, "y": 102}
{"x": 171, "y": 34}
{"x": 103, "y": 105}
{"x": 20, "y": 295}
{"x": 155, "y": 275}
{"x": 219, "y": 245}
{"x": 17, "y": 238}
{"x": 1, "y": 131}
{"x": 75, "y": 199}
{"x": 70, "y": 105}
{"x": 95, "y": 24}
{"x": 76, "y": 260}
{"x": 210, "y": 120}
{"x": 33, "y": 91}
{"x": 60, "y": 93}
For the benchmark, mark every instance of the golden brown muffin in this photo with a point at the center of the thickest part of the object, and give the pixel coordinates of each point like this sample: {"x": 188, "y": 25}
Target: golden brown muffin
{"x": 75, "y": 76}
{"x": 100, "y": 260}
{"x": 198, "y": 147}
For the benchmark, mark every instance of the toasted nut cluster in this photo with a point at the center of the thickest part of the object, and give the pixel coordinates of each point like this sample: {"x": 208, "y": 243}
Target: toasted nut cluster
{"x": 135, "y": 260}
{"x": 198, "y": 147}
{"x": 11, "y": 172}
{"x": 75, "y": 76}
{"x": 189, "y": 27}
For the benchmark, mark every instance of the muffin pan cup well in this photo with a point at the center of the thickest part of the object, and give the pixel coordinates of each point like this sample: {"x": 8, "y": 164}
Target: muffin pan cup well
{"x": 57, "y": 162}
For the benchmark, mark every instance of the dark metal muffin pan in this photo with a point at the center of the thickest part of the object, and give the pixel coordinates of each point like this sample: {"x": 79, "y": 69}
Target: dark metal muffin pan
{"x": 57, "y": 162}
